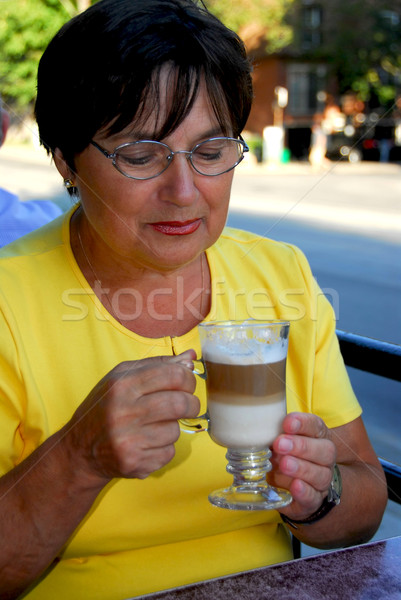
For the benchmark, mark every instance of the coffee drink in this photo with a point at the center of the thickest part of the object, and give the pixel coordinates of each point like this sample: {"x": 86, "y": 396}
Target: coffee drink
{"x": 243, "y": 364}
{"x": 246, "y": 402}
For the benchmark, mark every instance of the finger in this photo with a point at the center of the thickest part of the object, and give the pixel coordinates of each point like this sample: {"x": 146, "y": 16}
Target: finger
{"x": 306, "y": 499}
{"x": 316, "y": 476}
{"x": 159, "y": 435}
{"x": 137, "y": 462}
{"x": 185, "y": 358}
{"x": 305, "y": 424}
{"x": 173, "y": 376}
{"x": 131, "y": 449}
{"x": 133, "y": 439}
{"x": 166, "y": 406}
{"x": 153, "y": 461}
{"x": 150, "y": 375}
{"x": 318, "y": 451}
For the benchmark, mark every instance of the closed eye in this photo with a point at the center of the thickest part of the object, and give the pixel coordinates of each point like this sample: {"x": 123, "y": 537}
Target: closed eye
{"x": 137, "y": 160}
{"x": 210, "y": 152}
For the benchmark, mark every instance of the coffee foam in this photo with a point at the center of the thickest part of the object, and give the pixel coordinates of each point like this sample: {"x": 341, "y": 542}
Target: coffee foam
{"x": 251, "y": 353}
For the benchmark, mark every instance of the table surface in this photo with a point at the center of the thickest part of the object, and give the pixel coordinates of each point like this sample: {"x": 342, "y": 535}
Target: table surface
{"x": 366, "y": 572}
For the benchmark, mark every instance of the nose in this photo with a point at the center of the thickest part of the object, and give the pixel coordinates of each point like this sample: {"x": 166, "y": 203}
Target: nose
{"x": 178, "y": 181}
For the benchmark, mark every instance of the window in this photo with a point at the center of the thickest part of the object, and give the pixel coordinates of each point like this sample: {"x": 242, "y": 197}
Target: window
{"x": 391, "y": 18}
{"x": 311, "y": 32}
{"x": 304, "y": 83}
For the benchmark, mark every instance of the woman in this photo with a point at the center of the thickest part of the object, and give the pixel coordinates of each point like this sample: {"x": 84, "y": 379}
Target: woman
{"x": 142, "y": 105}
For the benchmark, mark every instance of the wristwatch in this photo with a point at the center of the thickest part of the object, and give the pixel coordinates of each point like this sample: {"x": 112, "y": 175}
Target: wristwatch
{"x": 332, "y": 499}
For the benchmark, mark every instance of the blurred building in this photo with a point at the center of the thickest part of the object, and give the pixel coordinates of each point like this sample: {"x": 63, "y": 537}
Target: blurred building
{"x": 301, "y": 68}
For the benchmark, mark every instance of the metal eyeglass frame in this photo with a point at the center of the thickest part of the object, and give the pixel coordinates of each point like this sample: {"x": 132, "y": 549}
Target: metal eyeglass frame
{"x": 113, "y": 155}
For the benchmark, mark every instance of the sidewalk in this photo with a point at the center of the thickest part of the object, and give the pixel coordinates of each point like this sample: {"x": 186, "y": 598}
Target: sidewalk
{"x": 363, "y": 197}
{"x": 28, "y": 172}
{"x": 30, "y": 154}
{"x": 305, "y": 168}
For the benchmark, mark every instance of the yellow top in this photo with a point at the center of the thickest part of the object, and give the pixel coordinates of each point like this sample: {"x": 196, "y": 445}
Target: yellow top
{"x": 57, "y": 341}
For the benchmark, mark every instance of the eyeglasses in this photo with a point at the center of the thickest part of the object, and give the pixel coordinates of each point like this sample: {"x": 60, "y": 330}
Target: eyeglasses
{"x": 146, "y": 159}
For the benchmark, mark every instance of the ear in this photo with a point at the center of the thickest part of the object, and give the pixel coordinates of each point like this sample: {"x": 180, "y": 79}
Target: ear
{"x": 5, "y": 122}
{"x": 61, "y": 165}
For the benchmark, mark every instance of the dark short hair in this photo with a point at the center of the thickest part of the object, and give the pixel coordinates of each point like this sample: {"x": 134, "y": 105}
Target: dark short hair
{"x": 101, "y": 71}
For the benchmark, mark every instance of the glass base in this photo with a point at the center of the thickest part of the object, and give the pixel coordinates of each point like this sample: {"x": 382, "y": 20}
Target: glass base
{"x": 250, "y": 490}
{"x": 246, "y": 498}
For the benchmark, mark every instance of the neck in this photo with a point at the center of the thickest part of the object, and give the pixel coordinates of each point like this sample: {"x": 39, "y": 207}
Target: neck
{"x": 150, "y": 303}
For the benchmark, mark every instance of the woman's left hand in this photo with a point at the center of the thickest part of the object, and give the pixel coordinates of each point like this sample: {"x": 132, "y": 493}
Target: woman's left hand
{"x": 303, "y": 457}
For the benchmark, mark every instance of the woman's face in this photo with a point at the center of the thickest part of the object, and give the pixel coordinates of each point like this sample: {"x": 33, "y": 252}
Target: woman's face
{"x": 162, "y": 223}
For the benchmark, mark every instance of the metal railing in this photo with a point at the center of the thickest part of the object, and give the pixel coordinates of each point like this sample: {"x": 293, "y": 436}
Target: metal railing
{"x": 379, "y": 358}
{"x": 368, "y": 354}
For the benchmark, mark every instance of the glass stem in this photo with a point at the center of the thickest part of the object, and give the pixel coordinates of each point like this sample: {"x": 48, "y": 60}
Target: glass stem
{"x": 249, "y": 466}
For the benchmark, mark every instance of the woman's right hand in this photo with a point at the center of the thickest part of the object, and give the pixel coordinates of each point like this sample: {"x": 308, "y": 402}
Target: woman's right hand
{"x": 126, "y": 427}
{"x": 128, "y": 424}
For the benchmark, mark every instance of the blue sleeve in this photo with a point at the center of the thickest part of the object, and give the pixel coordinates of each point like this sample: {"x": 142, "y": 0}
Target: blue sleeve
{"x": 18, "y": 218}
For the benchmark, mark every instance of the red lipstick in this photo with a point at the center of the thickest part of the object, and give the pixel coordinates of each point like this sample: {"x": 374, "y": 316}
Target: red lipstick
{"x": 177, "y": 227}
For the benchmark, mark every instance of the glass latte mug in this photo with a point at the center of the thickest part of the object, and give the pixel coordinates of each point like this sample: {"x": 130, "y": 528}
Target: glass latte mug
{"x": 243, "y": 363}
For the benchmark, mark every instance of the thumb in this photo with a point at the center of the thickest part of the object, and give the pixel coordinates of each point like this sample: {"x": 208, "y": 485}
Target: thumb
{"x": 185, "y": 358}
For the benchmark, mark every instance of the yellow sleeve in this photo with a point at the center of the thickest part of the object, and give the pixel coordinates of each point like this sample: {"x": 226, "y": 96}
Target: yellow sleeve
{"x": 331, "y": 393}
{"x": 12, "y": 400}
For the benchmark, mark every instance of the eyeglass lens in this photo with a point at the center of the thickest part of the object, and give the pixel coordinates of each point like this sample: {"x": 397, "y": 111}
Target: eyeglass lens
{"x": 147, "y": 159}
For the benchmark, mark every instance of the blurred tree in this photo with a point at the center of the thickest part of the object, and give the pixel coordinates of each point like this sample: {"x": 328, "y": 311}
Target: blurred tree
{"x": 26, "y": 27}
{"x": 366, "y": 48}
{"x": 254, "y": 17}
{"x": 361, "y": 40}
{"x": 361, "y": 43}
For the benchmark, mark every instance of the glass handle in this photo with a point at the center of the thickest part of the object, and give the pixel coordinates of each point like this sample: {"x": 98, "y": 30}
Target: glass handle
{"x": 197, "y": 425}
{"x": 200, "y": 423}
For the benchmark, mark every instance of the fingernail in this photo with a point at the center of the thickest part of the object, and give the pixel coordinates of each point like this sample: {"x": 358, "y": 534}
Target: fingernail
{"x": 285, "y": 445}
{"x": 187, "y": 363}
{"x": 185, "y": 358}
{"x": 295, "y": 425}
{"x": 291, "y": 465}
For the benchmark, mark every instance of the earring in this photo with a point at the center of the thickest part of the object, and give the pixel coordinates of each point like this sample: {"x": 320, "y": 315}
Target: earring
{"x": 68, "y": 183}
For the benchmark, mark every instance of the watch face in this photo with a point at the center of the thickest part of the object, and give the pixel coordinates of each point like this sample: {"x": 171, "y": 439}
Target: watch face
{"x": 335, "y": 488}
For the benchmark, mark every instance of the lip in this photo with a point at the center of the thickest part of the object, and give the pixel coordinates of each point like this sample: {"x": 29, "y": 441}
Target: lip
{"x": 177, "y": 227}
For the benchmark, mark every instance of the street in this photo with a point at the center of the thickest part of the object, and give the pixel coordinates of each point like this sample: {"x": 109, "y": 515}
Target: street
{"x": 357, "y": 265}
{"x": 347, "y": 220}
{"x": 348, "y": 223}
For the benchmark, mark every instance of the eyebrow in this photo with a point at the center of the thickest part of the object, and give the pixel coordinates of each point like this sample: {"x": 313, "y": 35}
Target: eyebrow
{"x": 136, "y": 136}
